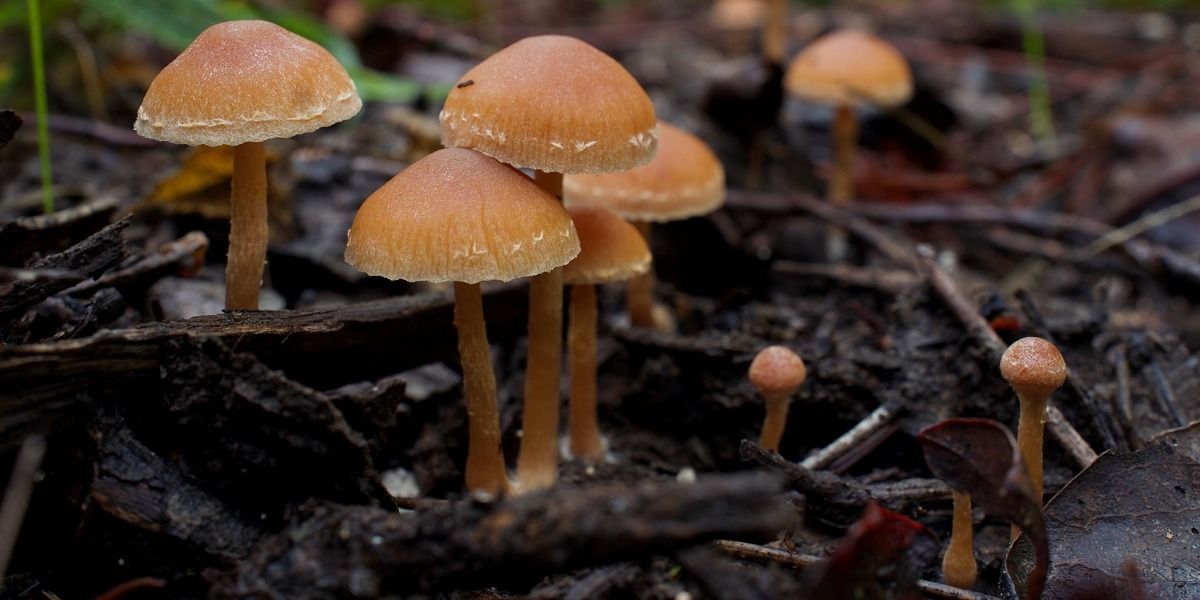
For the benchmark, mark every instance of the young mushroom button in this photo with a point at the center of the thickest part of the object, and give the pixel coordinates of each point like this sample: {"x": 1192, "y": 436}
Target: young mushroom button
{"x": 777, "y": 373}
{"x": 1034, "y": 368}
{"x": 238, "y": 84}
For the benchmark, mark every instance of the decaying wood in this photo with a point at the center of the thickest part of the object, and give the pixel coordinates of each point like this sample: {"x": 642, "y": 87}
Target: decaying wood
{"x": 24, "y": 237}
{"x": 140, "y": 488}
{"x": 278, "y": 437}
{"x": 321, "y": 348}
{"x": 184, "y": 255}
{"x": 829, "y": 499}
{"x": 88, "y": 258}
{"x": 341, "y": 551}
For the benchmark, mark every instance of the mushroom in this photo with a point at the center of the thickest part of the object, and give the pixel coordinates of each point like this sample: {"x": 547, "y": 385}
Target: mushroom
{"x": 457, "y": 215}
{"x": 685, "y": 179}
{"x": 556, "y": 105}
{"x": 776, "y": 372}
{"x": 1034, "y": 368}
{"x": 847, "y": 69}
{"x": 611, "y": 250}
{"x": 958, "y": 565}
{"x": 238, "y": 84}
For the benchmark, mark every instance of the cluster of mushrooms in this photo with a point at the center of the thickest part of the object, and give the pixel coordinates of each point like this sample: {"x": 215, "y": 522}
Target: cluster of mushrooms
{"x": 603, "y": 170}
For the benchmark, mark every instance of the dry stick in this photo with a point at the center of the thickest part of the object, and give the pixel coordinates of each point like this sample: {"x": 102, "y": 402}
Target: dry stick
{"x": 986, "y": 337}
{"x": 888, "y": 281}
{"x": 16, "y": 496}
{"x": 247, "y": 227}
{"x": 639, "y": 300}
{"x": 872, "y": 422}
{"x": 1110, "y": 433}
{"x": 586, "y": 442}
{"x": 485, "y": 460}
{"x": 537, "y": 463}
{"x": 874, "y": 235}
{"x": 747, "y": 551}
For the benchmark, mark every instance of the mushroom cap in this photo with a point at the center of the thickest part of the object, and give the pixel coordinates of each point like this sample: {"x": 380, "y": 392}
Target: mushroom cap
{"x": 246, "y": 81}
{"x": 555, "y": 104}
{"x": 738, "y": 14}
{"x": 457, "y": 215}
{"x": 850, "y": 67}
{"x": 610, "y": 248}
{"x": 685, "y": 179}
{"x": 1033, "y": 366}
{"x": 776, "y": 369}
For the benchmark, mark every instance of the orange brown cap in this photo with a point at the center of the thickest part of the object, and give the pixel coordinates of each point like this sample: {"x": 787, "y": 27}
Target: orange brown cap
{"x": 685, "y": 179}
{"x": 610, "y": 248}
{"x": 777, "y": 370}
{"x": 457, "y": 215}
{"x": 555, "y": 104}
{"x": 1033, "y": 366}
{"x": 738, "y": 14}
{"x": 246, "y": 81}
{"x": 850, "y": 67}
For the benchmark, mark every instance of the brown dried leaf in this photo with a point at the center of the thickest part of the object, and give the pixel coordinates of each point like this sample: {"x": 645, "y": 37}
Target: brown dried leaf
{"x": 1141, "y": 508}
{"x": 980, "y": 457}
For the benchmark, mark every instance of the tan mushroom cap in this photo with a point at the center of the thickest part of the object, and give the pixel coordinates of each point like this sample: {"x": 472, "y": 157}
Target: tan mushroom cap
{"x": 555, "y": 104}
{"x": 457, "y": 215}
{"x": 1034, "y": 366}
{"x": 776, "y": 369}
{"x": 850, "y": 67}
{"x": 246, "y": 81}
{"x": 610, "y": 248}
{"x": 685, "y": 179}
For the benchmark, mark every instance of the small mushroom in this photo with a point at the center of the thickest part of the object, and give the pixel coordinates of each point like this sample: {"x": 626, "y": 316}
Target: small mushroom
{"x": 238, "y": 84}
{"x": 958, "y": 565}
{"x": 777, "y": 373}
{"x": 457, "y": 215}
{"x": 556, "y": 105}
{"x": 1034, "y": 368}
{"x": 847, "y": 69}
{"x": 684, "y": 180}
{"x": 611, "y": 250}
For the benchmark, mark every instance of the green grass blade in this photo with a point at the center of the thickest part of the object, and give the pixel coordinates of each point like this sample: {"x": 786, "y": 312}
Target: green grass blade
{"x": 43, "y": 112}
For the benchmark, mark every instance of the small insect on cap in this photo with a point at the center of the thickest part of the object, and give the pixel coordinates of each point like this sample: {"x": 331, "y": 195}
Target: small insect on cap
{"x": 777, "y": 370}
{"x": 611, "y": 248}
{"x": 246, "y": 81}
{"x": 457, "y": 215}
{"x": 850, "y": 67}
{"x": 685, "y": 179}
{"x": 1033, "y": 366}
{"x": 555, "y": 104}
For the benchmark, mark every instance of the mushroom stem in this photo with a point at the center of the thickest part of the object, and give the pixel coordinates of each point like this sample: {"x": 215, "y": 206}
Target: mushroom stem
{"x": 776, "y": 419}
{"x": 485, "y": 460}
{"x": 1030, "y": 431}
{"x": 841, "y": 184}
{"x": 640, "y": 293}
{"x": 537, "y": 463}
{"x": 958, "y": 565}
{"x": 586, "y": 443}
{"x": 247, "y": 227}
{"x": 774, "y": 41}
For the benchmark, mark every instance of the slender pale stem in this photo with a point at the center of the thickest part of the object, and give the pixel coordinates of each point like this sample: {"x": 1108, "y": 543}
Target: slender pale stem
{"x": 775, "y": 33}
{"x": 958, "y": 565}
{"x": 1031, "y": 428}
{"x": 485, "y": 459}
{"x": 247, "y": 227}
{"x": 640, "y": 291}
{"x": 586, "y": 443}
{"x": 775, "y": 421}
{"x": 537, "y": 463}
{"x": 841, "y": 184}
